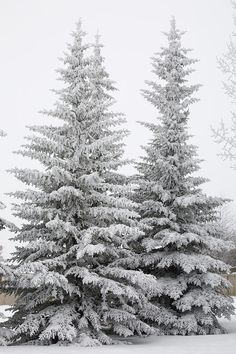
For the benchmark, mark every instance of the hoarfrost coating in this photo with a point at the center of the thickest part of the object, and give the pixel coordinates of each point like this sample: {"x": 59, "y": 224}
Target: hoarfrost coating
{"x": 101, "y": 254}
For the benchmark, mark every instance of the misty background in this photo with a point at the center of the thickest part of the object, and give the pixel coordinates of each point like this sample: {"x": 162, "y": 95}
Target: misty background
{"x": 33, "y": 34}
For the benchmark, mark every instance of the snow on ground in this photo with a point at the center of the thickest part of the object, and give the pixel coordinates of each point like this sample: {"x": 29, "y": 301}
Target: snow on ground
{"x": 217, "y": 344}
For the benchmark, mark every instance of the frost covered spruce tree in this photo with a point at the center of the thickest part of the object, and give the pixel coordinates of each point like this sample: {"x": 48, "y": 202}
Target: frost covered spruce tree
{"x": 78, "y": 220}
{"x": 177, "y": 246}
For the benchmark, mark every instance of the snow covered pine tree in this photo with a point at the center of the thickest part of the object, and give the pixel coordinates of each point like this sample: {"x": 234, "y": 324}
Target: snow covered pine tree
{"x": 176, "y": 247}
{"x": 79, "y": 220}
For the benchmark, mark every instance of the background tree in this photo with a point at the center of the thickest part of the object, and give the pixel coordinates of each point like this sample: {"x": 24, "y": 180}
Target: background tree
{"x": 4, "y": 269}
{"x": 226, "y": 136}
{"x": 177, "y": 246}
{"x": 225, "y": 227}
{"x": 77, "y": 219}
{"x": 2, "y": 206}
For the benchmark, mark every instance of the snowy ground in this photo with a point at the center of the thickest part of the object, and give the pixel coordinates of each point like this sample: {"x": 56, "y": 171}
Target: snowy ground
{"x": 219, "y": 344}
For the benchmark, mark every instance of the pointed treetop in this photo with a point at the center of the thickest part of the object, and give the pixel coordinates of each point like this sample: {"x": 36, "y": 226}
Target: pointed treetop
{"x": 173, "y": 23}
{"x": 97, "y": 45}
{"x": 174, "y": 33}
{"x": 97, "y": 37}
{"x": 79, "y": 29}
{"x": 78, "y": 33}
{"x": 75, "y": 53}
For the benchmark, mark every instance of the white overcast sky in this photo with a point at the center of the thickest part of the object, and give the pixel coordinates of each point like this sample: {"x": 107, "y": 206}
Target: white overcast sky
{"x": 33, "y": 34}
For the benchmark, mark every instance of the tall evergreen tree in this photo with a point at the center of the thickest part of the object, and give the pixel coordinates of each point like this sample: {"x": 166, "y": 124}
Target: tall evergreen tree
{"x": 78, "y": 219}
{"x": 177, "y": 245}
